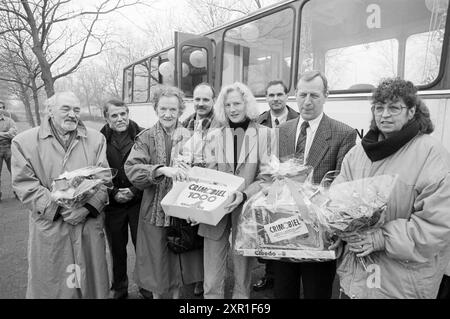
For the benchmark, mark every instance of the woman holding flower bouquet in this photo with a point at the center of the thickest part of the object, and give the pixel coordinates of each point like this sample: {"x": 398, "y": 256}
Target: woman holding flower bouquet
{"x": 149, "y": 167}
{"x": 409, "y": 253}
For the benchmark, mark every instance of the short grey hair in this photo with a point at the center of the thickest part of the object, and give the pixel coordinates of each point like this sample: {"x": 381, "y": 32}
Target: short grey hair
{"x": 247, "y": 95}
{"x": 311, "y": 75}
{"x": 51, "y": 101}
{"x": 168, "y": 91}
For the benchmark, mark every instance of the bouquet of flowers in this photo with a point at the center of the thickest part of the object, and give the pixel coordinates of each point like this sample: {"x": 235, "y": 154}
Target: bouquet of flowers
{"x": 73, "y": 189}
{"x": 279, "y": 222}
{"x": 354, "y": 206}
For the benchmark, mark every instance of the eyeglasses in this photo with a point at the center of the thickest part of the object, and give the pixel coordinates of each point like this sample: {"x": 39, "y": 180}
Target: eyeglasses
{"x": 393, "y": 109}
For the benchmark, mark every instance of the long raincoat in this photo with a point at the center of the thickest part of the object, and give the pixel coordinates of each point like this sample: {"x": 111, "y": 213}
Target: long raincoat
{"x": 65, "y": 261}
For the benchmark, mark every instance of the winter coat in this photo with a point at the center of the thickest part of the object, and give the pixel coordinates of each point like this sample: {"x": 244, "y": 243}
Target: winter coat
{"x": 259, "y": 143}
{"x": 65, "y": 261}
{"x": 117, "y": 161}
{"x": 417, "y": 227}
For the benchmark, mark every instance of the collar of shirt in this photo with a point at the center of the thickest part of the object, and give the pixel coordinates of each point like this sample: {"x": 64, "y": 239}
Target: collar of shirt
{"x": 281, "y": 118}
{"x": 310, "y": 132}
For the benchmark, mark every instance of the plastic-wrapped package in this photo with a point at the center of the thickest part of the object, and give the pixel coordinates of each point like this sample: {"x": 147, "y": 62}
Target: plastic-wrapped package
{"x": 279, "y": 221}
{"x": 73, "y": 189}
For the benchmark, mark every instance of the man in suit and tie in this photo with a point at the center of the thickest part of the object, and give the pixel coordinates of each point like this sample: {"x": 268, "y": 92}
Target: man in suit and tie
{"x": 321, "y": 142}
{"x": 276, "y": 96}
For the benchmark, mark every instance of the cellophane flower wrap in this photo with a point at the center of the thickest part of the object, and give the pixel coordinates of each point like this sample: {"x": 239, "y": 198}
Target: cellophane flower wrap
{"x": 74, "y": 189}
{"x": 277, "y": 222}
{"x": 354, "y": 206}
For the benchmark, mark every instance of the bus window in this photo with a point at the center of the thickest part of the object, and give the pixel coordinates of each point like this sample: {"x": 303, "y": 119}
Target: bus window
{"x": 363, "y": 63}
{"x": 194, "y": 68}
{"x": 166, "y": 67}
{"x": 259, "y": 51}
{"x": 358, "y": 42}
{"x": 423, "y": 56}
{"x": 141, "y": 82}
{"x": 127, "y": 88}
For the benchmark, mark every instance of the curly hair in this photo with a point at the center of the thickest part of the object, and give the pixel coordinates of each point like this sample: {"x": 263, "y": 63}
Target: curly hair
{"x": 168, "y": 91}
{"x": 394, "y": 89}
{"x": 247, "y": 95}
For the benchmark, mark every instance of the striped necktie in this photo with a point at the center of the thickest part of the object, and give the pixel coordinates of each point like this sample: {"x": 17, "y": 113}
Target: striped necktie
{"x": 301, "y": 141}
{"x": 277, "y": 122}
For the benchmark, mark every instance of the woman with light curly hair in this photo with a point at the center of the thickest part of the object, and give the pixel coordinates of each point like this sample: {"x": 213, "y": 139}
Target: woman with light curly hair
{"x": 239, "y": 147}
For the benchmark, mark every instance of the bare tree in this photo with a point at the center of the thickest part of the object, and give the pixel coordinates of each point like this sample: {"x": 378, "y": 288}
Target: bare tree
{"x": 19, "y": 66}
{"x": 213, "y": 13}
{"x": 50, "y": 24}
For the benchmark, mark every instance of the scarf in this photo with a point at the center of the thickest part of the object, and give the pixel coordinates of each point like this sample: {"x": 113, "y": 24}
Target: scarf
{"x": 65, "y": 140}
{"x": 377, "y": 150}
{"x": 238, "y": 137}
{"x": 191, "y": 124}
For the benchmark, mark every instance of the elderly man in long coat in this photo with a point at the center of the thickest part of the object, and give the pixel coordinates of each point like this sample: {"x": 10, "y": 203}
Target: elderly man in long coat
{"x": 66, "y": 248}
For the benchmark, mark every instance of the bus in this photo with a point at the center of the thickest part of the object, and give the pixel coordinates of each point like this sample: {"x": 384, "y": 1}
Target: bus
{"x": 355, "y": 43}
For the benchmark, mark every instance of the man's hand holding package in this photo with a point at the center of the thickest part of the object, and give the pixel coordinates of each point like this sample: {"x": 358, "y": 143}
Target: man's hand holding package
{"x": 75, "y": 216}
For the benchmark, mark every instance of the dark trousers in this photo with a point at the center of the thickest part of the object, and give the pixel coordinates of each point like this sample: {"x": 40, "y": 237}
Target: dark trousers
{"x": 315, "y": 277}
{"x": 117, "y": 220}
{"x": 268, "y": 265}
{"x": 444, "y": 289}
{"x": 5, "y": 155}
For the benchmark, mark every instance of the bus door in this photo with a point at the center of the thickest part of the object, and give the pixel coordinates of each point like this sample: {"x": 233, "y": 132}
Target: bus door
{"x": 194, "y": 61}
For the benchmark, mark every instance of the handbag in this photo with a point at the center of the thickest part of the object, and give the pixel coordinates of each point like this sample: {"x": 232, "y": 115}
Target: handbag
{"x": 182, "y": 237}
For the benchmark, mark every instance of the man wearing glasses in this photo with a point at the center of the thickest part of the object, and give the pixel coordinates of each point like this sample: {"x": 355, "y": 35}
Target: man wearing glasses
{"x": 322, "y": 143}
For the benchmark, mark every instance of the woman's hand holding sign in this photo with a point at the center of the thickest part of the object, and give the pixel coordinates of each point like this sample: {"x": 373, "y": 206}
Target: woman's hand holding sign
{"x": 236, "y": 198}
{"x": 178, "y": 174}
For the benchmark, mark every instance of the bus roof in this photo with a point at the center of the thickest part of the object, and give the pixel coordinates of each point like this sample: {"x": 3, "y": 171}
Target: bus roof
{"x": 223, "y": 26}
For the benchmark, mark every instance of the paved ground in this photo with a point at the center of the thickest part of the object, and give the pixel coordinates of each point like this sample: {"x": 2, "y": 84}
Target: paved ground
{"x": 13, "y": 249}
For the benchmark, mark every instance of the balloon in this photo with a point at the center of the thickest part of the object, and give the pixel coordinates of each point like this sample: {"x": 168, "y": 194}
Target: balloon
{"x": 171, "y": 55}
{"x": 166, "y": 68}
{"x": 250, "y": 32}
{"x": 185, "y": 70}
{"x": 198, "y": 59}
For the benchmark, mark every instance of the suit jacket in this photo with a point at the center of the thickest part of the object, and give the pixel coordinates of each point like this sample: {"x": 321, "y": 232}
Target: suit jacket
{"x": 332, "y": 141}
{"x": 266, "y": 118}
{"x": 251, "y": 162}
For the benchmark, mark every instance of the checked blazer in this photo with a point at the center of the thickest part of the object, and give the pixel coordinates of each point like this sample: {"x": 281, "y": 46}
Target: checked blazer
{"x": 332, "y": 141}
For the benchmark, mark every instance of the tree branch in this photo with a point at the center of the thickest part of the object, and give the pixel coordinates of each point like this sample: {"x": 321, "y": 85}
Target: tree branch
{"x": 14, "y": 81}
{"x": 82, "y": 55}
{"x": 99, "y": 10}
